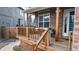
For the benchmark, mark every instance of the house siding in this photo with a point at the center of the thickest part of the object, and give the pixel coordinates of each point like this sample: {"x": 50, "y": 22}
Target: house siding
{"x": 9, "y": 16}
{"x": 75, "y": 45}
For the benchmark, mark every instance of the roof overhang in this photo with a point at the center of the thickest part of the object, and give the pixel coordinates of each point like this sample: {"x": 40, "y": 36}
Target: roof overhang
{"x": 35, "y": 9}
{"x": 21, "y": 8}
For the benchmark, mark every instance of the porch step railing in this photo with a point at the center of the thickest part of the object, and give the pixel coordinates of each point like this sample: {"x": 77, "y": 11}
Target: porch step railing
{"x": 35, "y": 37}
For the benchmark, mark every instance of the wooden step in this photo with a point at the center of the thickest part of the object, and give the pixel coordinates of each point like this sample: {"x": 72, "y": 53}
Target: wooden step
{"x": 25, "y": 40}
{"x": 42, "y": 47}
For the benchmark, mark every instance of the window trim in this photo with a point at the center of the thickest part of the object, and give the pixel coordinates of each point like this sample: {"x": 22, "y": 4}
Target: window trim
{"x": 43, "y": 19}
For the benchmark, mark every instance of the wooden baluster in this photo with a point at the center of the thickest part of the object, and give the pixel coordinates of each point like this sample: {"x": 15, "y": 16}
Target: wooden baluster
{"x": 22, "y": 32}
{"x": 18, "y": 30}
{"x": 39, "y": 33}
{"x": 28, "y": 32}
{"x": 46, "y": 40}
{"x": 31, "y": 32}
{"x": 34, "y": 47}
{"x": 35, "y": 34}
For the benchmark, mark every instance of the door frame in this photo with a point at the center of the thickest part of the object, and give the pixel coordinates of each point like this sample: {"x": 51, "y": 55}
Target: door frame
{"x": 66, "y": 13}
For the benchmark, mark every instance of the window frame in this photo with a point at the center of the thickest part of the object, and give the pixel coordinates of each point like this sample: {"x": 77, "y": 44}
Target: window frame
{"x": 43, "y": 19}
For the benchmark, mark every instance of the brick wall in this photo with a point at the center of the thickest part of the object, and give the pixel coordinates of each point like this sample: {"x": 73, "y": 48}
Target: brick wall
{"x": 53, "y": 20}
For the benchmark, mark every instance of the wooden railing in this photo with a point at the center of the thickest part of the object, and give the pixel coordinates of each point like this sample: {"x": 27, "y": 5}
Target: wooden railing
{"x": 35, "y": 37}
{"x": 70, "y": 41}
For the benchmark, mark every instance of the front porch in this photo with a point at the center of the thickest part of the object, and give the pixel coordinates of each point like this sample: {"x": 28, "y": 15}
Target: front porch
{"x": 58, "y": 19}
{"x": 36, "y": 37}
{"x": 39, "y": 39}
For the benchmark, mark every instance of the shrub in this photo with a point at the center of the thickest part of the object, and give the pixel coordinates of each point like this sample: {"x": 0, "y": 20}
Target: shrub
{"x": 17, "y": 48}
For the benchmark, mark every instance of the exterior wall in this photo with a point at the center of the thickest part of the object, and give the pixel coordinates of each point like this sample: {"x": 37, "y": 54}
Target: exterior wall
{"x": 9, "y": 16}
{"x": 76, "y": 31}
{"x": 40, "y": 12}
{"x": 53, "y": 20}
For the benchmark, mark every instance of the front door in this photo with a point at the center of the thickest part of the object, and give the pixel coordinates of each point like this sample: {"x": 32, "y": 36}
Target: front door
{"x": 68, "y": 21}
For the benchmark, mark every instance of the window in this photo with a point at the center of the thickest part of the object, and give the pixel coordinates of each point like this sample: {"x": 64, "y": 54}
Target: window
{"x": 44, "y": 20}
{"x": 65, "y": 25}
{"x": 71, "y": 21}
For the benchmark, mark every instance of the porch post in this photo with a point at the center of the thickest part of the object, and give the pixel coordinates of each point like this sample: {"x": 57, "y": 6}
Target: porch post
{"x": 27, "y": 19}
{"x": 27, "y": 27}
{"x": 57, "y": 23}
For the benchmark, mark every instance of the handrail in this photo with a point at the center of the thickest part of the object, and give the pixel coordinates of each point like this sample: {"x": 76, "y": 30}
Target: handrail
{"x": 32, "y": 33}
{"x": 40, "y": 39}
{"x": 24, "y": 39}
{"x": 70, "y": 40}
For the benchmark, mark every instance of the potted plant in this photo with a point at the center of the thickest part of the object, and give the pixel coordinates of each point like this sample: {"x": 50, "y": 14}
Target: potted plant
{"x": 52, "y": 31}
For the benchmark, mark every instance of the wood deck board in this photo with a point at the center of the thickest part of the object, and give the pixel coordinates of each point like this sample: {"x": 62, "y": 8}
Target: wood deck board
{"x": 26, "y": 40}
{"x": 42, "y": 47}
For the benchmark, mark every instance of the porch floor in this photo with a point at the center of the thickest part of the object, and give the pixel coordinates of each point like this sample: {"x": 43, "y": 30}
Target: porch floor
{"x": 61, "y": 45}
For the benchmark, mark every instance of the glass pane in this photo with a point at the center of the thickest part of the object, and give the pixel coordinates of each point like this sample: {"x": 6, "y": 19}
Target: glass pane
{"x": 40, "y": 18}
{"x": 41, "y": 24}
{"x": 46, "y": 24}
{"x": 71, "y": 21}
{"x": 46, "y": 17}
{"x": 65, "y": 25}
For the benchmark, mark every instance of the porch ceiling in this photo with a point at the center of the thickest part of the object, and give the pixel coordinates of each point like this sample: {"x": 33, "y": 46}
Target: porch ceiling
{"x": 35, "y": 9}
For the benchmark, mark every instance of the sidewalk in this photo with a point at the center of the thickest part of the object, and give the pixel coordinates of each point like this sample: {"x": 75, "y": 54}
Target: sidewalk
{"x": 10, "y": 45}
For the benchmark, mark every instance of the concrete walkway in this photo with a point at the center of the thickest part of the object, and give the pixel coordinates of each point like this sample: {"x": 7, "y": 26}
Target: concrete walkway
{"x": 10, "y": 45}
